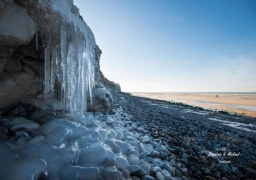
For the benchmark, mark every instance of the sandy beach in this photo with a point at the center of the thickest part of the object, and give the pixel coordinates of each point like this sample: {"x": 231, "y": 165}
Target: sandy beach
{"x": 238, "y": 103}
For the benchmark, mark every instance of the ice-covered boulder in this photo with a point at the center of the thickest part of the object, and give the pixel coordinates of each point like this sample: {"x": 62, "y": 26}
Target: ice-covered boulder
{"x": 101, "y": 100}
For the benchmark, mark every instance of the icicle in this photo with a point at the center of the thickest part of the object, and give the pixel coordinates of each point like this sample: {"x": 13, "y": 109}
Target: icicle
{"x": 58, "y": 61}
{"x": 63, "y": 47}
{"x": 72, "y": 74}
{"x": 53, "y": 70}
{"x": 83, "y": 80}
{"x": 36, "y": 41}
{"x": 47, "y": 71}
{"x": 80, "y": 79}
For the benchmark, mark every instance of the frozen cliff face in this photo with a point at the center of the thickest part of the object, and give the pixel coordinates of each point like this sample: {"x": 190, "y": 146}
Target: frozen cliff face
{"x": 36, "y": 31}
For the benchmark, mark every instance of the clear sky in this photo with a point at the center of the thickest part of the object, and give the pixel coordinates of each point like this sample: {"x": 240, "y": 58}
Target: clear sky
{"x": 175, "y": 45}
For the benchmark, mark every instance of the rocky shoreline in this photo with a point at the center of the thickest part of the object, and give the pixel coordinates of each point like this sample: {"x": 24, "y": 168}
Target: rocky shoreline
{"x": 139, "y": 139}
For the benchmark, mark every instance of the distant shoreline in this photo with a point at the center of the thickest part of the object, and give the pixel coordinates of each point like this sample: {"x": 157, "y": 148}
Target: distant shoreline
{"x": 233, "y": 93}
{"x": 234, "y": 102}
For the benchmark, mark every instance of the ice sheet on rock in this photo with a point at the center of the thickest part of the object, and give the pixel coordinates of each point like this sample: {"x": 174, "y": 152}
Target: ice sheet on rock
{"x": 23, "y": 168}
{"x": 74, "y": 65}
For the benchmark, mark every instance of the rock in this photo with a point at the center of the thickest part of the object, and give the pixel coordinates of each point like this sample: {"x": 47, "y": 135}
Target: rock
{"x": 133, "y": 160}
{"x": 121, "y": 163}
{"x": 13, "y": 65}
{"x": 156, "y": 169}
{"x": 168, "y": 168}
{"x": 3, "y": 132}
{"x": 112, "y": 134}
{"x": 163, "y": 156}
{"x": 166, "y": 173}
{"x": 110, "y": 174}
{"x": 78, "y": 172}
{"x": 75, "y": 10}
{"x": 185, "y": 171}
{"x": 135, "y": 178}
{"x": 110, "y": 159}
{"x": 27, "y": 168}
{"x": 19, "y": 123}
{"x": 114, "y": 147}
{"x": 134, "y": 169}
{"x": 132, "y": 152}
{"x": 178, "y": 173}
{"x": 110, "y": 120}
{"x": 154, "y": 154}
{"x": 186, "y": 141}
{"x": 147, "y": 148}
{"x": 92, "y": 154}
{"x": 120, "y": 136}
{"x": 103, "y": 134}
{"x": 125, "y": 147}
{"x": 4, "y": 122}
{"x": 2, "y": 64}
{"x": 145, "y": 169}
{"x": 159, "y": 176}
{"x": 157, "y": 162}
{"x": 20, "y": 31}
{"x": 147, "y": 177}
{"x": 145, "y": 139}
{"x": 126, "y": 174}
{"x": 140, "y": 129}
{"x": 102, "y": 101}
{"x": 13, "y": 88}
{"x": 194, "y": 167}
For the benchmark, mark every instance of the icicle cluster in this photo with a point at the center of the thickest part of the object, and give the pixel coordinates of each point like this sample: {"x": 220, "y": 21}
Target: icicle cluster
{"x": 69, "y": 68}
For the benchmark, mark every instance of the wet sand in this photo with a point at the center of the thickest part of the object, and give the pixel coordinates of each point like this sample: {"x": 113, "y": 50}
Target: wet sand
{"x": 236, "y": 103}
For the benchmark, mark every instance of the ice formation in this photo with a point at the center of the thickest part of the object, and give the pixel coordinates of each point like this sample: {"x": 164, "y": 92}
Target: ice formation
{"x": 69, "y": 63}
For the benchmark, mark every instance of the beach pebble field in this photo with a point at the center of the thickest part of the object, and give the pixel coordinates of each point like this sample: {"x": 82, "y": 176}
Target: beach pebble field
{"x": 139, "y": 139}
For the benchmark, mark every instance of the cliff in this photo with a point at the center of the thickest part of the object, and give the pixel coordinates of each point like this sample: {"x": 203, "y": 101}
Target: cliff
{"x": 49, "y": 58}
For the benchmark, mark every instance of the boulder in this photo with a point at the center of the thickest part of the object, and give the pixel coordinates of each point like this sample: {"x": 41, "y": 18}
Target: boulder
{"x": 13, "y": 88}
{"x": 101, "y": 100}
{"x": 2, "y": 64}
{"x": 16, "y": 28}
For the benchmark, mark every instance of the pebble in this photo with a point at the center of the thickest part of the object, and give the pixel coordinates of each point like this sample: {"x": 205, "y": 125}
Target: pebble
{"x": 157, "y": 162}
{"x": 92, "y": 154}
{"x": 4, "y": 122}
{"x": 156, "y": 169}
{"x": 145, "y": 169}
{"x": 134, "y": 169}
{"x": 119, "y": 136}
{"x": 147, "y": 177}
{"x": 126, "y": 174}
{"x": 178, "y": 173}
{"x": 154, "y": 154}
{"x": 19, "y": 122}
{"x": 168, "y": 168}
{"x": 144, "y": 139}
{"x": 110, "y": 120}
{"x": 166, "y": 173}
{"x": 121, "y": 163}
{"x": 146, "y": 147}
{"x": 185, "y": 171}
{"x": 140, "y": 129}
{"x": 159, "y": 176}
{"x": 133, "y": 160}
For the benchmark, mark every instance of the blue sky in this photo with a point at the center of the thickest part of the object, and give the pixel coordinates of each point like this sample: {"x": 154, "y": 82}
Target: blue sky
{"x": 175, "y": 45}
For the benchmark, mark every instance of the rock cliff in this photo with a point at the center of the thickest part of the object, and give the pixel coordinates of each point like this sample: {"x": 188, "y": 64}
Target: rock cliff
{"x": 49, "y": 58}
